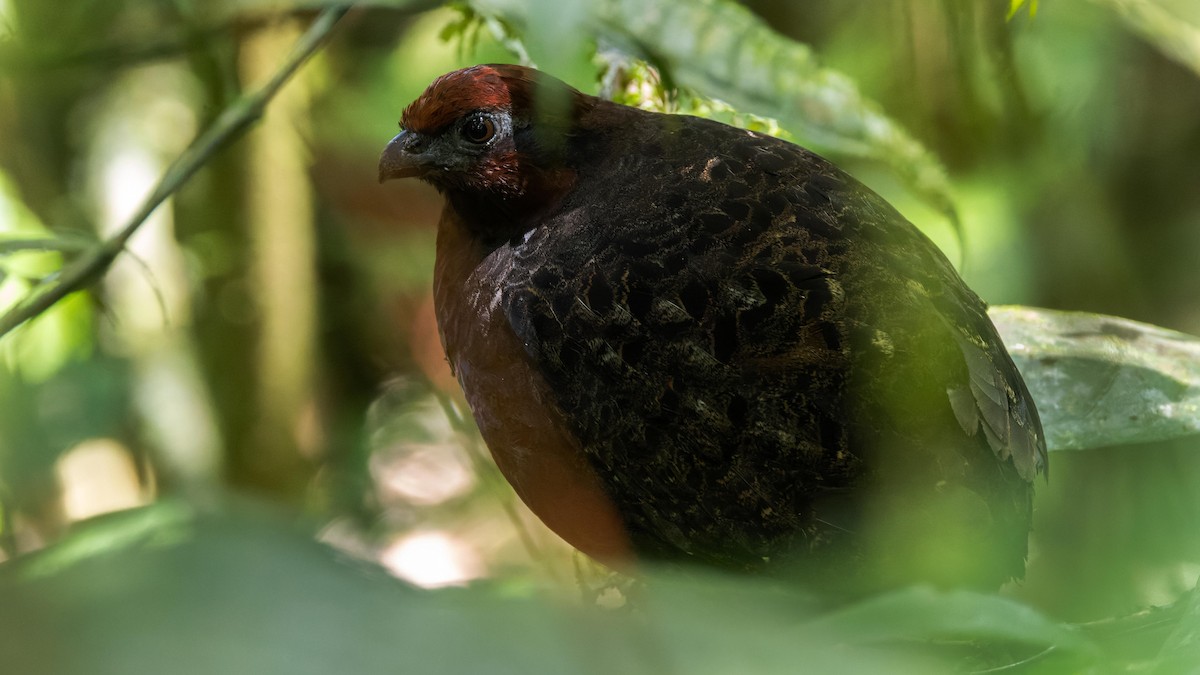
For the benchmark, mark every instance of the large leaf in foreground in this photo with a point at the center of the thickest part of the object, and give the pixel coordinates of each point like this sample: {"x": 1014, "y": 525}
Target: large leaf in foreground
{"x": 173, "y": 589}
{"x": 168, "y": 589}
{"x": 1102, "y": 380}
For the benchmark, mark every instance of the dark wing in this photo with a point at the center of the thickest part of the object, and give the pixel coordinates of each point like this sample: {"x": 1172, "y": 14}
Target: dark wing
{"x": 702, "y": 338}
{"x": 995, "y": 400}
{"x": 939, "y": 398}
{"x": 929, "y": 301}
{"x": 904, "y": 287}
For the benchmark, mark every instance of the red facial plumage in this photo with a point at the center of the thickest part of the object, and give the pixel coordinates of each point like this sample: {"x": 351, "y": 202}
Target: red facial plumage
{"x": 494, "y": 86}
{"x": 453, "y": 94}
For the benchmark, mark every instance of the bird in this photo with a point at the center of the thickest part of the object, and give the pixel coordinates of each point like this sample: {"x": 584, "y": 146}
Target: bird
{"x": 687, "y": 343}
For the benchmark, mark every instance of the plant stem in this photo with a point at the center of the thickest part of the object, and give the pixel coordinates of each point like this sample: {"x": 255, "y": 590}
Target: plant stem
{"x": 229, "y": 125}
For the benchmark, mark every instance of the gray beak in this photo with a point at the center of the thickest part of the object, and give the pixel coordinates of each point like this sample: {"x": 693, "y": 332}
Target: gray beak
{"x": 404, "y": 157}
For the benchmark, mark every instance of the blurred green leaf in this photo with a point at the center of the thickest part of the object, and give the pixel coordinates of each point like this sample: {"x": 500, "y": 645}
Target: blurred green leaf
{"x": 1015, "y": 6}
{"x": 171, "y": 589}
{"x": 720, "y": 48}
{"x": 30, "y": 252}
{"x": 42, "y": 347}
{"x": 1101, "y": 380}
{"x": 1181, "y": 650}
{"x": 922, "y": 614}
{"x": 163, "y": 522}
{"x": 1172, "y": 35}
{"x": 555, "y": 38}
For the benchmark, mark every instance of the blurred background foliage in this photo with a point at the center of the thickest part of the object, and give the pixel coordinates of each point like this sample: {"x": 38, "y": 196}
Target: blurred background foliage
{"x": 267, "y": 335}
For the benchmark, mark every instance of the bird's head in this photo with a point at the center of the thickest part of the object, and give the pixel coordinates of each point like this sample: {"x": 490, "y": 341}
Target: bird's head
{"x": 491, "y": 137}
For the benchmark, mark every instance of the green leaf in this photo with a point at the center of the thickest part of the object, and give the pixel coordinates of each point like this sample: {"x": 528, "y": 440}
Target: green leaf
{"x": 1101, "y": 380}
{"x": 164, "y": 521}
{"x": 29, "y": 251}
{"x": 923, "y": 614}
{"x": 182, "y": 590}
{"x": 1175, "y": 36}
{"x": 1181, "y": 650}
{"x": 1015, "y": 6}
{"x": 720, "y": 49}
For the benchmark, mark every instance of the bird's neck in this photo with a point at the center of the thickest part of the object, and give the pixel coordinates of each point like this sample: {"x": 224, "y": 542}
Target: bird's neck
{"x": 495, "y": 218}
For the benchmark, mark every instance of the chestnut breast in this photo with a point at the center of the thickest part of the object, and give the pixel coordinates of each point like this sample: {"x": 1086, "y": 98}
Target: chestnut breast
{"x": 512, "y": 405}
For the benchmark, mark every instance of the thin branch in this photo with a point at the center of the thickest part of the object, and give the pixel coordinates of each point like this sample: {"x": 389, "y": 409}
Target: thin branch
{"x": 232, "y": 122}
{"x": 55, "y": 244}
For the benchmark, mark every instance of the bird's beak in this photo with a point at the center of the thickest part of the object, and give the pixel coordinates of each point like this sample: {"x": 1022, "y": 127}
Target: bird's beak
{"x": 404, "y": 157}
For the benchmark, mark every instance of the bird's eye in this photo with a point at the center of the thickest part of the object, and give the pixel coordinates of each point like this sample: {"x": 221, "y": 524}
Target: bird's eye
{"x": 479, "y": 129}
